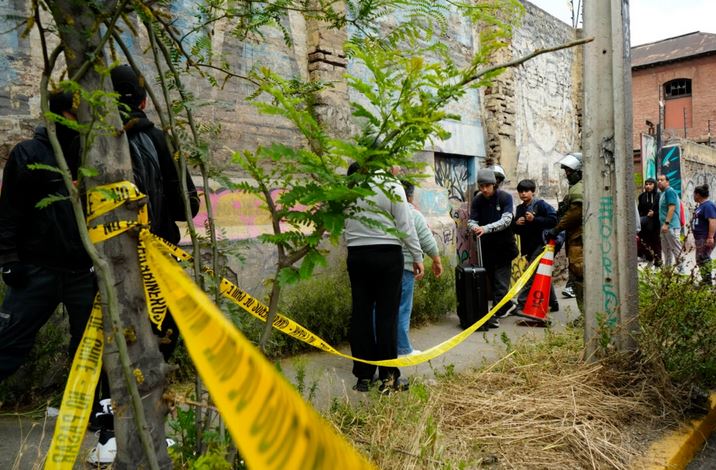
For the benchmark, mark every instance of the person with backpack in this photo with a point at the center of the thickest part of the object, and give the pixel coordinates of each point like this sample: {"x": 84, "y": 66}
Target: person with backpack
{"x": 156, "y": 176}
{"x": 532, "y": 218}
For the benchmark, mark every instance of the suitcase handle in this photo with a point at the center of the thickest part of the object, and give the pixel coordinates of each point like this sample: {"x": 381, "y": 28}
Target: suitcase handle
{"x": 478, "y": 250}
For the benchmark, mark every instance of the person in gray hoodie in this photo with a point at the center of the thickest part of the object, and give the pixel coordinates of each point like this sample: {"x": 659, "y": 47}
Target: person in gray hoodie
{"x": 430, "y": 248}
{"x": 375, "y": 269}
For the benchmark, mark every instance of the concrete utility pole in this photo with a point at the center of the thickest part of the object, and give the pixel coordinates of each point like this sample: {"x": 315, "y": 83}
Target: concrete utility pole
{"x": 611, "y": 299}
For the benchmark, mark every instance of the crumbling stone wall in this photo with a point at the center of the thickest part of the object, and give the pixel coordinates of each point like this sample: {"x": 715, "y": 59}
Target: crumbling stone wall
{"x": 533, "y": 112}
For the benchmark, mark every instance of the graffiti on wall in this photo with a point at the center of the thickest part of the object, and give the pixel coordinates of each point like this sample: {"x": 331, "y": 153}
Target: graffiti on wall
{"x": 701, "y": 174}
{"x": 453, "y": 174}
{"x": 648, "y": 156}
{"x": 669, "y": 163}
{"x": 237, "y": 215}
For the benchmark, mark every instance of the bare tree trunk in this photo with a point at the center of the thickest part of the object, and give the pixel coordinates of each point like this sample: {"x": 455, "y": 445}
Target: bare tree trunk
{"x": 119, "y": 266}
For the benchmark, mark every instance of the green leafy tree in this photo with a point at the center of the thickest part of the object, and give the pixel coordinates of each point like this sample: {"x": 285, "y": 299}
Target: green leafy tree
{"x": 410, "y": 82}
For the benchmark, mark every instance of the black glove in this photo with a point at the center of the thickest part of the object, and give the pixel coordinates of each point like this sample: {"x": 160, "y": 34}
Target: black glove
{"x": 550, "y": 234}
{"x": 16, "y": 274}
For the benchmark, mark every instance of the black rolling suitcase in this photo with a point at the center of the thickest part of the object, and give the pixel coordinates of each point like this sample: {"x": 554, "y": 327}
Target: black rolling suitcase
{"x": 471, "y": 290}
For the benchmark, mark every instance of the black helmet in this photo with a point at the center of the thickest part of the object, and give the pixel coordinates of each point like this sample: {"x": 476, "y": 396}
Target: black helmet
{"x": 61, "y": 101}
{"x": 129, "y": 85}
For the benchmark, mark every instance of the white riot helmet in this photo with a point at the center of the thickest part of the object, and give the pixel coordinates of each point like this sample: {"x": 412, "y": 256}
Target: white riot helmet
{"x": 573, "y": 161}
{"x": 499, "y": 173}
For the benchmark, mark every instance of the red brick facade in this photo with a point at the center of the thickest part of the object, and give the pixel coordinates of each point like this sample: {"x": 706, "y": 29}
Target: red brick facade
{"x": 646, "y": 83}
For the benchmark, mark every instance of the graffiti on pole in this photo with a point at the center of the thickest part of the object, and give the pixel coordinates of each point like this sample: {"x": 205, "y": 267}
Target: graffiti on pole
{"x": 606, "y": 230}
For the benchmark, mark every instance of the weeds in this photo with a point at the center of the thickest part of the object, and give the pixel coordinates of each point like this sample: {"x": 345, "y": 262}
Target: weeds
{"x": 678, "y": 326}
{"x": 538, "y": 407}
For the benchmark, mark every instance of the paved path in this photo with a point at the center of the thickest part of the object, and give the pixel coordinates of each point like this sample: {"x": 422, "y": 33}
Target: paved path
{"x": 706, "y": 459}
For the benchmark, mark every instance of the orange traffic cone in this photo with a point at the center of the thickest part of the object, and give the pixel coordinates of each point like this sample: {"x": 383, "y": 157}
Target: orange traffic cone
{"x": 537, "y": 304}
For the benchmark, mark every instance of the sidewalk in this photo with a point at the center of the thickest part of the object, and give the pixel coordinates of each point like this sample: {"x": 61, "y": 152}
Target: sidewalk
{"x": 23, "y": 441}
{"x": 334, "y": 378}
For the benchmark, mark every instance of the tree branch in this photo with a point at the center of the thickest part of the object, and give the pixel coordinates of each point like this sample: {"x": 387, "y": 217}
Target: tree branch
{"x": 523, "y": 59}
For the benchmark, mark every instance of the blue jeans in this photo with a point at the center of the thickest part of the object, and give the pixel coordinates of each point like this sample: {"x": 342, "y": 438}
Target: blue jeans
{"x": 404, "y": 311}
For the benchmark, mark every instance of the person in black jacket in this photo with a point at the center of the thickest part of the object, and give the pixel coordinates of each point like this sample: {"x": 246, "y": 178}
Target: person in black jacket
{"x": 41, "y": 254}
{"x": 532, "y": 218}
{"x": 649, "y": 246}
{"x": 491, "y": 219}
{"x": 155, "y": 174}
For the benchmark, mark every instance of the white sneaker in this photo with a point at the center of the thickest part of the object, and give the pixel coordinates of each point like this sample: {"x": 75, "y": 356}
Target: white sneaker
{"x": 415, "y": 352}
{"x": 568, "y": 293}
{"x": 105, "y": 451}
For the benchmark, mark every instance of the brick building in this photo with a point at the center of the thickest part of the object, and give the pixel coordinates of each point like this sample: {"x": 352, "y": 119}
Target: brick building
{"x": 678, "y": 72}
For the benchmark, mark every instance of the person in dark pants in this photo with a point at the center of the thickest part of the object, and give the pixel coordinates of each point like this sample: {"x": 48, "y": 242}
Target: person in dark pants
{"x": 155, "y": 175}
{"x": 649, "y": 246}
{"x": 703, "y": 226}
{"x": 375, "y": 269}
{"x": 491, "y": 220}
{"x": 570, "y": 221}
{"x": 43, "y": 261}
{"x": 532, "y": 218}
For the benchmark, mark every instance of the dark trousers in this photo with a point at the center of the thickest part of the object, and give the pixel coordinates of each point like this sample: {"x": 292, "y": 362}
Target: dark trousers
{"x": 499, "y": 276}
{"x": 25, "y": 310}
{"x": 375, "y": 273}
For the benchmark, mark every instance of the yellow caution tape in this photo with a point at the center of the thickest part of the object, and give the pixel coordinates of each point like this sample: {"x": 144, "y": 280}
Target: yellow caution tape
{"x": 156, "y": 304}
{"x": 284, "y": 324}
{"x": 269, "y": 421}
{"x": 107, "y": 197}
{"x": 104, "y": 198}
{"x": 108, "y": 230}
{"x": 78, "y": 396}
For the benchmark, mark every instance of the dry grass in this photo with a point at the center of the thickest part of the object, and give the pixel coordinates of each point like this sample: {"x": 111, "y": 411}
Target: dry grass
{"x": 538, "y": 408}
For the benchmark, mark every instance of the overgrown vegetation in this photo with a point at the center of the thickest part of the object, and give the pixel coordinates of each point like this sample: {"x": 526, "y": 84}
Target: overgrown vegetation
{"x": 323, "y": 305}
{"x": 678, "y": 326}
{"x": 540, "y": 407}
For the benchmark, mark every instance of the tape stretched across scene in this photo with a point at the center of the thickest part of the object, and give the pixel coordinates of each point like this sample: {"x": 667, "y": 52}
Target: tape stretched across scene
{"x": 78, "y": 396}
{"x": 291, "y": 328}
{"x": 269, "y": 421}
{"x": 287, "y": 326}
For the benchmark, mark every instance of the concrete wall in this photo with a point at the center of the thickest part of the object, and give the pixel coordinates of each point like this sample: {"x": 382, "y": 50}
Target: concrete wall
{"x": 647, "y": 82}
{"x": 532, "y": 114}
{"x": 548, "y": 100}
{"x": 698, "y": 166}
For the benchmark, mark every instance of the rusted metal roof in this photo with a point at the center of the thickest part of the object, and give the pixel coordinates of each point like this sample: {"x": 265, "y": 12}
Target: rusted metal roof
{"x": 673, "y": 49}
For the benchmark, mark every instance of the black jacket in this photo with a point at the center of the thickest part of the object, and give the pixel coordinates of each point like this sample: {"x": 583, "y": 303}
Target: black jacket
{"x": 172, "y": 208}
{"x": 649, "y": 201}
{"x": 498, "y": 245}
{"x": 531, "y": 232}
{"x": 44, "y": 237}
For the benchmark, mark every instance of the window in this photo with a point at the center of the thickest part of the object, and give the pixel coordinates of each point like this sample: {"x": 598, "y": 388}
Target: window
{"x": 677, "y": 88}
{"x": 677, "y": 106}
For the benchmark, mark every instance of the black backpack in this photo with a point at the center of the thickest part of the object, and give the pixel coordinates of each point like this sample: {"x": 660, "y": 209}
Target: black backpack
{"x": 147, "y": 174}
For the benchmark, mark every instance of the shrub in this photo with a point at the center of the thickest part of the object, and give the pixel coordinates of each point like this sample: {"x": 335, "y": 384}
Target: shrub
{"x": 43, "y": 375}
{"x": 434, "y": 297}
{"x": 323, "y": 305}
{"x": 678, "y": 326}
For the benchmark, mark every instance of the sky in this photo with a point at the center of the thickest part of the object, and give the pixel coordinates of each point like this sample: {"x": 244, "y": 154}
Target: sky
{"x": 652, "y": 20}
